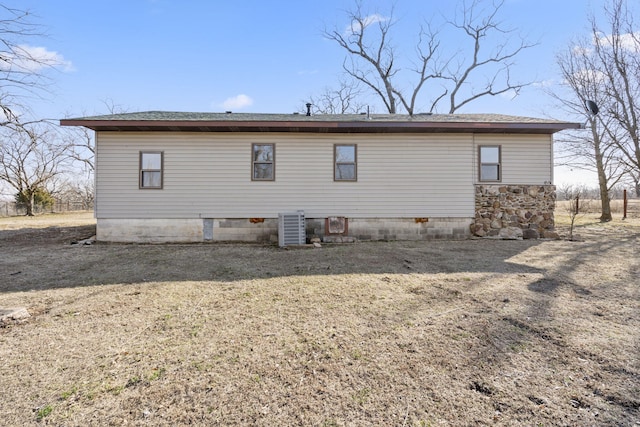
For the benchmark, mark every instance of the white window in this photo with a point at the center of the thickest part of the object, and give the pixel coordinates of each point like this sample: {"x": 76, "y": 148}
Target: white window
{"x": 151, "y": 165}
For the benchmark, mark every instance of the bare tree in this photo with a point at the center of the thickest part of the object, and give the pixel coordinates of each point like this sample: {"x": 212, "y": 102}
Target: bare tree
{"x": 594, "y": 149}
{"x": 81, "y": 141}
{"x": 343, "y": 100}
{"x": 617, "y": 50}
{"x": 21, "y": 66}
{"x": 449, "y": 78}
{"x": 31, "y": 158}
{"x": 78, "y": 191}
{"x": 634, "y": 180}
{"x": 576, "y": 204}
{"x": 81, "y": 144}
{"x": 605, "y": 69}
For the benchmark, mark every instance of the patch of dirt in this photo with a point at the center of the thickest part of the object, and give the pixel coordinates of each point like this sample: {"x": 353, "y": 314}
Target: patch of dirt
{"x": 46, "y": 229}
{"x": 477, "y": 332}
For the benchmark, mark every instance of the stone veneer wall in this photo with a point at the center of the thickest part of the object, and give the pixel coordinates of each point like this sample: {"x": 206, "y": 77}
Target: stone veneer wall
{"x": 515, "y": 211}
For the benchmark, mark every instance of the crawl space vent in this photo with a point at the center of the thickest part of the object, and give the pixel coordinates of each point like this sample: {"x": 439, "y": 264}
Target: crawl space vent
{"x": 336, "y": 225}
{"x": 291, "y": 228}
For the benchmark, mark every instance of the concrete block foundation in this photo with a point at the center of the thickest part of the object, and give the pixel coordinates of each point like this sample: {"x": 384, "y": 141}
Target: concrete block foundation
{"x": 266, "y": 229}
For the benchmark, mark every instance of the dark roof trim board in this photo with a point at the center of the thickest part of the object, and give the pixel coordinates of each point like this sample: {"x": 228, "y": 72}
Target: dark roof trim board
{"x": 329, "y": 123}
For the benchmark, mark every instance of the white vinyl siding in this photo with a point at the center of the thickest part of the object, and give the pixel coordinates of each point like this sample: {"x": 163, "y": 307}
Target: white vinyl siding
{"x": 525, "y": 159}
{"x": 205, "y": 176}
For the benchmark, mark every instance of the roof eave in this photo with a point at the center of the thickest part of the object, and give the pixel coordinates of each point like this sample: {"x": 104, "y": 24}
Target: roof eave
{"x": 364, "y": 126}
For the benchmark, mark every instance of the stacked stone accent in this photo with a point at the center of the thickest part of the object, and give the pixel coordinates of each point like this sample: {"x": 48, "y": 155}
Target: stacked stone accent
{"x": 515, "y": 211}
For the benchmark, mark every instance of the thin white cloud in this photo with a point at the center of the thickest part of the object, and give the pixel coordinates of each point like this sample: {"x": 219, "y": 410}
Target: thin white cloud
{"x": 590, "y": 76}
{"x": 33, "y": 59}
{"x": 510, "y": 94}
{"x": 237, "y": 102}
{"x": 628, "y": 41}
{"x": 582, "y": 50}
{"x": 544, "y": 83}
{"x": 357, "y": 26}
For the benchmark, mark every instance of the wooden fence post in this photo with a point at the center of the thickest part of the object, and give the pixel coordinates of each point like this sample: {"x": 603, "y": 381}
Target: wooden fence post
{"x": 624, "y": 204}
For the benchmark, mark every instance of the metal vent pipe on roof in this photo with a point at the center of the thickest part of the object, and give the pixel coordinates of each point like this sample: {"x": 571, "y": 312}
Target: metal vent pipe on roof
{"x": 308, "y": 108}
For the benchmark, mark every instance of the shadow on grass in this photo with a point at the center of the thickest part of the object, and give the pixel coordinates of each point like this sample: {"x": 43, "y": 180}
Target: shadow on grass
{"x": 35, "y": 238}
{"x": 32, "y": 262}
{"x": 37, "y": 259}
{"x": 600, "y": 304}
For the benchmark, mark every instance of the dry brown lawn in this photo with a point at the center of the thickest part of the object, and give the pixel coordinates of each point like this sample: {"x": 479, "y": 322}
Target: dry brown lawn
{"x": 478, "y": 332}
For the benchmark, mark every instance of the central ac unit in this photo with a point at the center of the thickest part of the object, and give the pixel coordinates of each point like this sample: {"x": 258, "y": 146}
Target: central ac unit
{"x": 291, "y": 228}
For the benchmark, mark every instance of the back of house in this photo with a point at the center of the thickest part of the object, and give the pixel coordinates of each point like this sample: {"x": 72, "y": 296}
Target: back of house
{"x": 193, "y": 177}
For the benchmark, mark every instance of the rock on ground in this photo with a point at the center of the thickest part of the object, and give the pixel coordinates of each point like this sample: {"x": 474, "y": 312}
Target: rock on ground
{"x": 17, "y": 314}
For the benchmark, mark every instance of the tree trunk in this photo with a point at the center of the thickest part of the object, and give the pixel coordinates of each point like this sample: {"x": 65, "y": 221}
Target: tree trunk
{"x": 603, "y": 184}
{"x": 30, "y": 202}
{"x": 605, "y": 201}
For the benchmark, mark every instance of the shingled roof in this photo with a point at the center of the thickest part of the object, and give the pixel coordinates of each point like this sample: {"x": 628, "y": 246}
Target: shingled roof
{"x": 320, "y": 123}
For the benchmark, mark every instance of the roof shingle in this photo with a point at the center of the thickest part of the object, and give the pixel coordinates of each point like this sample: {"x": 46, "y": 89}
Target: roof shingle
{"x": 254, "y": 122}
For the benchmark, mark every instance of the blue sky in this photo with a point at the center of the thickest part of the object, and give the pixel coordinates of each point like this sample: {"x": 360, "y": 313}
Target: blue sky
{"x": 194, "y": 55}
{"x": 252, "y": 55}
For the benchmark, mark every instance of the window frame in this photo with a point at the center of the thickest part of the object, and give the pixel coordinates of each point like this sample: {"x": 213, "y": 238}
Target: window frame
{"x": 354, "y": 163}
{"x": 254, "y": 162}
{"x": 481, "y": 163}
{"x": 141, "y": 171}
